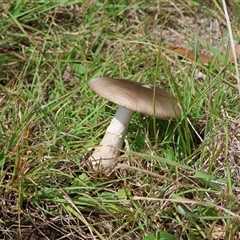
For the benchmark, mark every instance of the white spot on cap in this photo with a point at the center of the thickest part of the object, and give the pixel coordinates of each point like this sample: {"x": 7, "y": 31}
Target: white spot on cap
{"x": 147, "y": 86}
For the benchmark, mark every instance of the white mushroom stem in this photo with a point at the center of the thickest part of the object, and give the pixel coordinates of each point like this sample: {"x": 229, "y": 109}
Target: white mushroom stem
{"x": 105, "y": 155}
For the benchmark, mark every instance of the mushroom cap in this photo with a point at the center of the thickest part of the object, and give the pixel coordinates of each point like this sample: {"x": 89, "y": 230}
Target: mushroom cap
{"x": 136, "y": 96}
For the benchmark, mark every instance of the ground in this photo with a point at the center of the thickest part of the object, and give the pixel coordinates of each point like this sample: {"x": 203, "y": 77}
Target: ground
{"x": 180, "y": 178}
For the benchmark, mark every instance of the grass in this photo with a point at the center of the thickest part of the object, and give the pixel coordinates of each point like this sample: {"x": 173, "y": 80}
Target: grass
{"x": 180, "y": 178}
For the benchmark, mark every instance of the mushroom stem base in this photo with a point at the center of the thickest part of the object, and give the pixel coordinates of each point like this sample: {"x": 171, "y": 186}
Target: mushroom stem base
{"x": 105, "y": 155}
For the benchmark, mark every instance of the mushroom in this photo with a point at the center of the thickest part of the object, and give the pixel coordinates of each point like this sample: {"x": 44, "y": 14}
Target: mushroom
{"x": 131, "y": 97}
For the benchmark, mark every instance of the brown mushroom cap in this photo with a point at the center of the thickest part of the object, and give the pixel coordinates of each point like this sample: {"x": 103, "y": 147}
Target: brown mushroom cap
{"x": 136, "y": 96}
